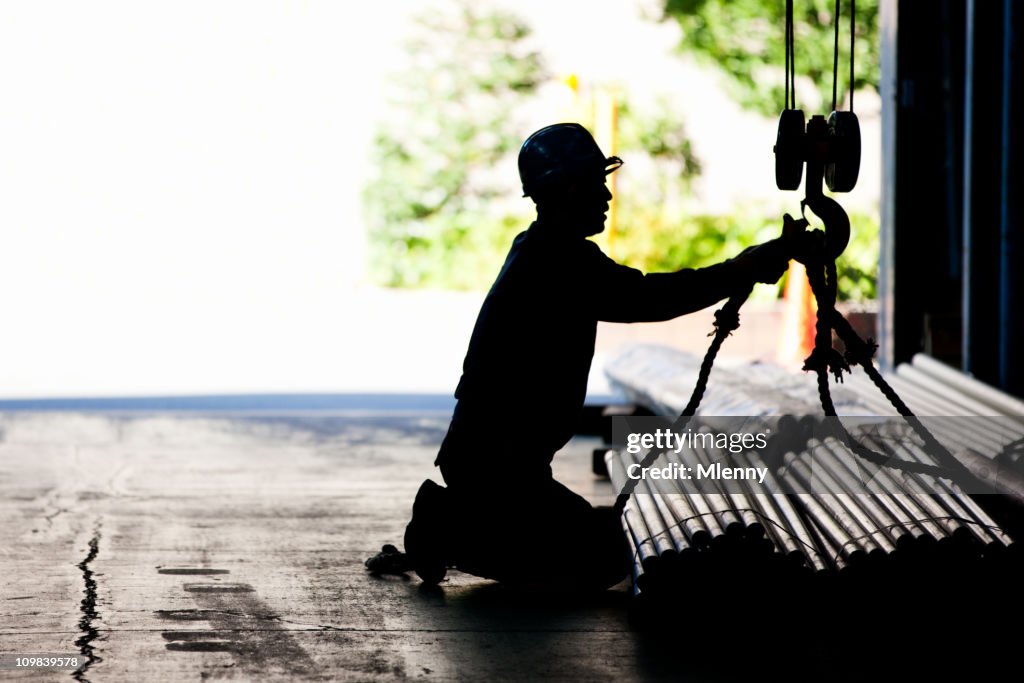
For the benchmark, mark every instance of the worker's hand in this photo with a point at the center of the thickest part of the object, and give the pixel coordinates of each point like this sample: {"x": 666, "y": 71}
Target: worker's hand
{"x": 797, "y": 241}
{"x": 769, "y": 261}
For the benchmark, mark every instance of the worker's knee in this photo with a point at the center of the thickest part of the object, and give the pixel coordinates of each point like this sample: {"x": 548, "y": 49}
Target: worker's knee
{"x": 546, "y": 535}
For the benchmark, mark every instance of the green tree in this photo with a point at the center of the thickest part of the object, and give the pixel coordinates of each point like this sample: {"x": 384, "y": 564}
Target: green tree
{"x": 745, "y": 39}
{"x": 434, "y": 206}
{"x": 659, "y": 134}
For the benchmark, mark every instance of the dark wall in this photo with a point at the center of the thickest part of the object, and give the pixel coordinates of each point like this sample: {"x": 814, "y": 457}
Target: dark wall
{"x": 955, "y": 282}
{"x": 929, "y": 166}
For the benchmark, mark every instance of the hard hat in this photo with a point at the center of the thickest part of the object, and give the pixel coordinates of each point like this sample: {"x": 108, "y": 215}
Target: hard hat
{"x": 558, "y": 153}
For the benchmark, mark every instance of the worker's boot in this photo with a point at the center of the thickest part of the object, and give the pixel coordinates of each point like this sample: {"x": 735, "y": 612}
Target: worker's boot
{"x": 390, "y": 560}
{"x": 428, "y": 535}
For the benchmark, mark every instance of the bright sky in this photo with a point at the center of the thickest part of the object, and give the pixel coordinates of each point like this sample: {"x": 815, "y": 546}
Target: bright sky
{"x": 179, "y": 188}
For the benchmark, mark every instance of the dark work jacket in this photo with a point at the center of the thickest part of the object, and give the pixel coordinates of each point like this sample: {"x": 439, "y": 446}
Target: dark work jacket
{"x": 524, "y": 378}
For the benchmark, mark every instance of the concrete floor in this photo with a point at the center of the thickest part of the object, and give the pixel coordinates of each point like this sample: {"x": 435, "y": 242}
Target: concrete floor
{"x": 231, "y": 548}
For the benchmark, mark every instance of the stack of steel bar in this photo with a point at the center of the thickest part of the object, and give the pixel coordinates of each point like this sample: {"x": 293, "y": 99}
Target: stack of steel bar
{"x": 710, "y": 533}
{"x": 909, "y": 525}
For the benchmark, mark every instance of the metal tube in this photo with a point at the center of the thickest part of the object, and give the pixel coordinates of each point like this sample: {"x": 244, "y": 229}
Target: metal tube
{"x": 987, "y": 432}
{"x": 683, "y": 514}
{"x": 938, "y": 499}
{"x": 831, "y": 520}
{"x": 935, "y": 399}
{"x": 637, "y": 570}
{"x": 641, "y": 535}
{"x": 871, "y": 504}
{"x": 702, "y": 509}
{"x": 795, "y": 524}
{"x": 1001, "y": 401}
{"x": 961, "y": 505}
{"x": 873, "y": 533}
{"x": 783, "y": 536}
{"x": 794, "y": 521}
{"x": 1001, "y": 479}
{"x": 616, "y": 470}
{"x": 835, "y": 509}
{"x": 949, "y": 435}
{"x": 953, "y": 394}
{"x": 680, "y": 543}
{"x": 755, "y": 498}
{"x": 985, "y": 425}
{"x": 923, "y": 403}
{"x": 664, "y": 543}
{"x": 741, "y": 502}
{"x": 658, "y": 529}
{"x": 719, "y": 502}
{"x": 947, "y": 494}
{"x": 646, "y": 552}
{"x": 902, "y": 505}
{"x": 924, "y": 493}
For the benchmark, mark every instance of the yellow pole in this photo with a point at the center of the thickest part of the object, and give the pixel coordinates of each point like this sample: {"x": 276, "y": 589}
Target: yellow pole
{"x": 571, "y": 110}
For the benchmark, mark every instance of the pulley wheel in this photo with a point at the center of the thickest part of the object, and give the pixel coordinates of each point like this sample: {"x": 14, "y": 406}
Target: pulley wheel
{"x": 843, "y": 165}
{"x": 789, "y": 150}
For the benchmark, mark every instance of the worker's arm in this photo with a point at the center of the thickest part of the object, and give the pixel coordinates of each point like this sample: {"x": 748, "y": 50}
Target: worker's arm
{"x": 622, "y": 294}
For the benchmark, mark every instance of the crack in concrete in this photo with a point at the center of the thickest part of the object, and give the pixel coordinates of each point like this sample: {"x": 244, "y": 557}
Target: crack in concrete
{"x": 89, "y": 613}
{"x": 49, "y": 518}
{"x": 322, "y": 627}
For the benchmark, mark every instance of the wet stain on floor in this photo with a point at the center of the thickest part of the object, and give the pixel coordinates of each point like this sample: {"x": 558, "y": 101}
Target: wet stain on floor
{"x": 218, "y": 588}
{"x": 231, "y": 609}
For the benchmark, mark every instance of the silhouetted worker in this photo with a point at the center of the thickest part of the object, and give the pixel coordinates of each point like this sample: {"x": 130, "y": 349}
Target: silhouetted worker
{"x": 524, "y": 381}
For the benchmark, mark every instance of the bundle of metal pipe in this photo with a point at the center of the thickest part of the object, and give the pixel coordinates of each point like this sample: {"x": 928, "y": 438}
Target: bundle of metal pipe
{"x": 696, "y": 535}
{"x": 911, "y": 524}
{"x": 680, "y": 538}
